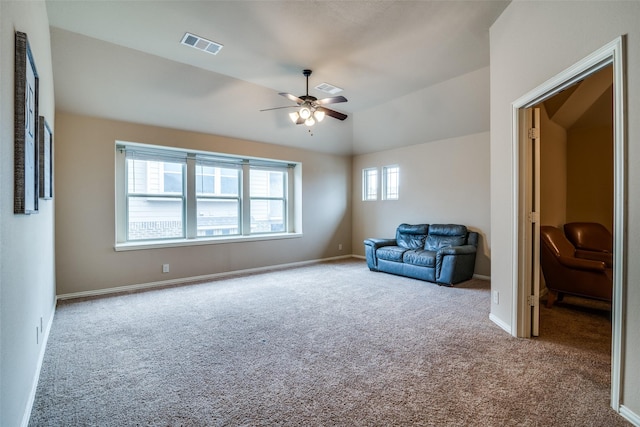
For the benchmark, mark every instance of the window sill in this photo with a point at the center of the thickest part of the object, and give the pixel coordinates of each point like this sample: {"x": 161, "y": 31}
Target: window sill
{"x": 158, "y": 244}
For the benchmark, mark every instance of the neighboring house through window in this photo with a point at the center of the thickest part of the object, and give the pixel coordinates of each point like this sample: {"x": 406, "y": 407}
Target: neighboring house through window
{"x": 165, "y": 194}
{"x": 218, "y": 199}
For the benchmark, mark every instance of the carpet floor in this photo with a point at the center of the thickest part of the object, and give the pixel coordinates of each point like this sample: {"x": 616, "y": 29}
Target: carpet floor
{"x": 329, "y": 344}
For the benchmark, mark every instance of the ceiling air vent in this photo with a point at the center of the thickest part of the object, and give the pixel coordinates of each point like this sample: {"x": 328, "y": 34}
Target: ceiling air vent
{"x": 327, "y": 88}
{"x": 201, "y": 44}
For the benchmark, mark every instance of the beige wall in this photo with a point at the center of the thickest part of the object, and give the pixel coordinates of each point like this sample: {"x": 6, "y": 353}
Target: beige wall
{"x": 576, "y": 173}
{"x": 85, "y": 210}
{"x": 522, "y": 58}
{"x": 444, "y": 181}
{"x": 590, "y": 175}
{"x": 553, "y": 171}
{"x": 27, "y": 287}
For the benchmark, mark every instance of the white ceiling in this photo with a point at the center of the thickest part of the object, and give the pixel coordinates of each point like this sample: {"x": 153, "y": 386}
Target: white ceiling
{"x": 123, "y": 60}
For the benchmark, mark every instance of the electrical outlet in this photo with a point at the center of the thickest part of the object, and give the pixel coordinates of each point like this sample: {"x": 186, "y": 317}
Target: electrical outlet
{"x": 339, "y": 246}
{"x": 165, "y": 268}
{"x": 496, "y": 297}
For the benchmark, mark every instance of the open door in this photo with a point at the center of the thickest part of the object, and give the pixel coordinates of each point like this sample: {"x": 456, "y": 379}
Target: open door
{"x": 526, "y": 280}
{"x": 531, "y": 128}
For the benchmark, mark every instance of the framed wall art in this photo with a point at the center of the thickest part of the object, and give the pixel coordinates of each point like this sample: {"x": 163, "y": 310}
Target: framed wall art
{"x": 45, "y": 141}
{"x": 27, "y": 168}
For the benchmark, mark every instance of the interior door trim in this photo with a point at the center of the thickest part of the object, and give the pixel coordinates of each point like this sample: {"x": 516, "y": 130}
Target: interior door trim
{"x": 612, "y": 53}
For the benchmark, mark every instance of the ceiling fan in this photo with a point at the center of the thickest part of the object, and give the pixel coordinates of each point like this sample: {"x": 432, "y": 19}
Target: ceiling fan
{"x": 312, "y": 109}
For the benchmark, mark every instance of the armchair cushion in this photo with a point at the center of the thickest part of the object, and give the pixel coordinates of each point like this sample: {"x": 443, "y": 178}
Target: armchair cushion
{"x": 442, "y": 236}
{"x": 591, "y": 240}
{"x": 589, "y": 236}
{"x": 391, "y": 253}
{"x": 411, "y": 236}
{"x": 420, "y": 257}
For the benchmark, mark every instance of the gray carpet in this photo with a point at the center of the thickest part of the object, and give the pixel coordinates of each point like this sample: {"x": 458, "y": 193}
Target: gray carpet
{"x": 331, "y": 344}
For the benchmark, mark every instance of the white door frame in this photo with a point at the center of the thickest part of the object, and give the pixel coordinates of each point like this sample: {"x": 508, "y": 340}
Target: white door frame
{"x": 612, "y": 53}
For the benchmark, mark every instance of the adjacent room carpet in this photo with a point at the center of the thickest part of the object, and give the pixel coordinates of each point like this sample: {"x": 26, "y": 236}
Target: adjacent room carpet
{"x": 329, "y": 344}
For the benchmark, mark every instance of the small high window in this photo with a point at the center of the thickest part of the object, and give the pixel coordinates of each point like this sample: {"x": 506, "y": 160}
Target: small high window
{"x": 370, "y": 184}
{"x": 390, "y": 182}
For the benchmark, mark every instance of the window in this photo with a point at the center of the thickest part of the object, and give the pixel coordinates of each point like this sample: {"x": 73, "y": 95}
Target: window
{"x": 155, "y": 198}
{"x": 268, "y": 201}
{"x": 390, "y": 182}
{"x": 172, "y": 177}
{"x": 218, "y": 199}
{"x": 165, "y": 194}
{"x": 370, "y": 184}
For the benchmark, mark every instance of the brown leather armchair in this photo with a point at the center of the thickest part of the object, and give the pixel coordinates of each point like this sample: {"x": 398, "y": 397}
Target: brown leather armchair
{"x": 592, "y": 241}
{"x": 564, "y": 273}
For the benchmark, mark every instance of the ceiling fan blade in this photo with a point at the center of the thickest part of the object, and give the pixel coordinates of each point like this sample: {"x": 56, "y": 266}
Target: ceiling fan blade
{"x": 279, "y": 108}
{"x": 331, "y": 100}
{"x": 291, "y": 97}
{"x": 333, "y": 113}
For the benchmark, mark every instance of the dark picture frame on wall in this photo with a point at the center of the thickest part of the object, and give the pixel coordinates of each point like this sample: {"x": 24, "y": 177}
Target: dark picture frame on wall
{"x": 27, "y": 167}
{"x": 45, "y": 141}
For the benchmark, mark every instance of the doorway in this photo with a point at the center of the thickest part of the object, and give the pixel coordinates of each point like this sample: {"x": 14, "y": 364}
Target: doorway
{"x": 525, "y": 310}
{"x": 573, "y": 164}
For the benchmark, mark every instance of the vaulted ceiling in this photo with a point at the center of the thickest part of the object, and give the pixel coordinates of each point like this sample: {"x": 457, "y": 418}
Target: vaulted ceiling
{"x": 123, "y": 60}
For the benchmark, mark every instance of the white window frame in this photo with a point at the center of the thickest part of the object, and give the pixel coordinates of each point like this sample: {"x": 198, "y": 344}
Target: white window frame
{"x": 292, "y": 196}
{"x": 390, "y": 187}
{"x": 369, "y": 176}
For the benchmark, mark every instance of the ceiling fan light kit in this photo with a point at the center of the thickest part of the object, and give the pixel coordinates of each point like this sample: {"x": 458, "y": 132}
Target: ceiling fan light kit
{"x": 305, "y": 112}
{"x": 307, "y": 115}
{"x": 312, "y": 109}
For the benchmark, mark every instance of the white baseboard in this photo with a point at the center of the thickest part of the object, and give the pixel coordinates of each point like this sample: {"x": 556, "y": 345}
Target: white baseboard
{"x": 629, "y": 415}
{"x": 36, "y": 377}
{"x": 500, "y": 323}
{"x": 170, "y": 282}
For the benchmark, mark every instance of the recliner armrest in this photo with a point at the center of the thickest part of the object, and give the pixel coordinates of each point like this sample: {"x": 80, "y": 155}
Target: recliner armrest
{"x": 458, "y": 250}
{"x": 455, "y": 264}
{"x": 606, "y": 257}
{"x": 378, "y": 243}
{"x": 371, "y": 246}
{"x": 582, "y": 264}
